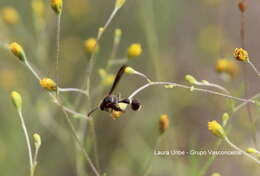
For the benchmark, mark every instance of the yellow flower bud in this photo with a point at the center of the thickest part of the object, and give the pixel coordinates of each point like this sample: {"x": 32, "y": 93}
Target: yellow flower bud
{"x": 116, "y": 114}
{"x": 10, "y": 15}
{"x": 38, "y": 7}
{"x": 16, "y": 99}
{"x": 119, "y": 3}
{"x": 251, "y": 150}
{"x": 240, "y": 54}
{"x": 56, "y": 5}
{"x": 107, "y": 79}
{"x": 37, "y": 140}
{"x": 190, "y": 79}
{"x": 130, "y": 70}
{"x": 91, "y": 45}
{"x": 134, "y": 50}
{"x": 225, "y": 118}
{"x": 227, "y": 66}
{"x": 216, "y": 128}
{"x": 18, "y": 51}
{"x": 48, "y": 84}
{"x": 163, "y": 123}
{"x": 215, "y": 174}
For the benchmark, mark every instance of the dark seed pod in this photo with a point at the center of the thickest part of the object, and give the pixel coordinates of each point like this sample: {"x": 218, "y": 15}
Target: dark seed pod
{"x": 135, "y": 105}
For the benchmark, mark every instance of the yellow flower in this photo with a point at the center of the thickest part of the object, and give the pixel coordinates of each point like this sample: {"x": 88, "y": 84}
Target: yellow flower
{"x": 38, "y": 7}
{"x": 116, "y": 114}
{"x": 134, "y": 50}
{"x": 56, "y": 5}
{"x": 107, "y": 79}
{"x": 48, "y": 84}
{"x": 91, "y": 45}
{"x": 163, "y": 123}
{"x": 216, "y": 128}
{"x": 240, "y": 54}
{"x": 119, "y": 3}
{"x": 17, "y": 50}
{"x": 227, "y": 66}
{"x": 16, "y": 99}
{"x": 10, "y": 15}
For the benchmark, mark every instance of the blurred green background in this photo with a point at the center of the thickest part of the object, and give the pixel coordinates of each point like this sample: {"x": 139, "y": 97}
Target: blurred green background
{"x": 178, "y": 37}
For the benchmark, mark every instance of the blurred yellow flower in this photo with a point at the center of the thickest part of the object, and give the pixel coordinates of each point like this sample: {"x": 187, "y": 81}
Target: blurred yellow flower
{"x": 116, "y": 114}
{"x": 91, "y": 45}
{"x": 215, "y": 174}
{"x": 216, "y": 128}
{"x": 106, "y": 78}
{"x": 16, "y": 99}
{"x": 17, "y": 50}
{"x": 7, "y": 79}
{"x": 48, "y": 84}
{"x": 134, "y": 50}
{"x": 240, "y": 54}
{"x": 227, "y": 66}
{"x": 10, "y": 15}
{"x": 38, "y": 7}
{"x": 251, "y": 150}
{"x": 78, "y": 8}
{"x": 57, "y": 5}
{"x": 163, "y": 122}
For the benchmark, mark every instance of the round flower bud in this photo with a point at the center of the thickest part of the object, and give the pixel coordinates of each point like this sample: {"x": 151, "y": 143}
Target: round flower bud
{"x": 16, "y": 99}
{"x": 18, "y": 51}
{"x": 240, "y": 54}
{"x": 56, "y": 5}
{"x": 163, "y": 123}
{"x": 48, "y": 84}
{"x": 37, "y": 140}
{"x": 91, "y": 45}
{"x": 10, "y": 15}
{"x": 134, "y": 50}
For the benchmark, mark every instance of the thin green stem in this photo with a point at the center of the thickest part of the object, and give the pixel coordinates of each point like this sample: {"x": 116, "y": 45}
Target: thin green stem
{"x": 27, "y": 141}
{"x": 58, "y": 47}
{"x": 74, "y": 133}
{"x": 190, "y": 88}
{"x": 254, "y": 67}
{"x": 240, "y": 150}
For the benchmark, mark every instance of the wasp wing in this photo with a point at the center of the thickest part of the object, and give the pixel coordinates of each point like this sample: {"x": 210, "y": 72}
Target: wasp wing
{"x": 117, "y": 78}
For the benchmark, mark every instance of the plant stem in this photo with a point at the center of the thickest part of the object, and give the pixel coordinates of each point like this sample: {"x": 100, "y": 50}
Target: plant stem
{"x": 240, "y": 150}
{"x": 58, "y": 47}
{"x": 187, "y": 87}
{"x": 27, "y": 141}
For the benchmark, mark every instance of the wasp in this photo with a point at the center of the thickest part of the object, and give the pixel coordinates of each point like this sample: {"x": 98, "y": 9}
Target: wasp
{"x": 113, "y": 102}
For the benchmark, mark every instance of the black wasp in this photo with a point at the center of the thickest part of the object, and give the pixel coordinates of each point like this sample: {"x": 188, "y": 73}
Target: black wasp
{"x": 113, "y": 102}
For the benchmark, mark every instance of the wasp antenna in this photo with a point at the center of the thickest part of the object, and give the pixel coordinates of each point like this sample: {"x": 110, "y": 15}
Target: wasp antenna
{"x": 92, "y": 111}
